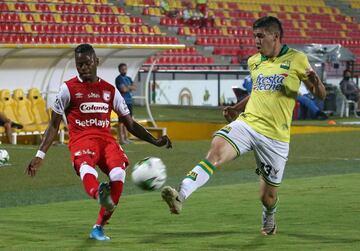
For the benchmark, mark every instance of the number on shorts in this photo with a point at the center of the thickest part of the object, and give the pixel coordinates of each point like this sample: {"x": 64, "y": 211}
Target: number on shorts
{"x": 266, "y": 169}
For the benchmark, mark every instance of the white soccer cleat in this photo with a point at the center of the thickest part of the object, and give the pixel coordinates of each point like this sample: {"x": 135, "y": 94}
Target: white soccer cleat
{"x": 268, "y": 224}
{"x": 171, "y": 197}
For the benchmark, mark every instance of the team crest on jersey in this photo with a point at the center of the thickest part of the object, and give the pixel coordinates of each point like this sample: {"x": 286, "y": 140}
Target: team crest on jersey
{"x": 106, "y": 96}
{"x": 285, "y": 65}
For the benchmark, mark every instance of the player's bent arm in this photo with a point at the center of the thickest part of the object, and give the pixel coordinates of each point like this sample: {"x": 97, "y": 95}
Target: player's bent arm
{"x": 51, "y": 131}
{"x": 124, "y": 88}
{"x": 139, "y": 131}
{"x": 315, "y": 85}
{"x": 232, "y": 112}
{"x": 240, "y": 107}
{"x": 48, "y": 138}
{"x": 46, "y": 141}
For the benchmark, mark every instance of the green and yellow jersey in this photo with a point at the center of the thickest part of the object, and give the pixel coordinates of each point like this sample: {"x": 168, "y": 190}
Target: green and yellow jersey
{"x": 276, "y": 82}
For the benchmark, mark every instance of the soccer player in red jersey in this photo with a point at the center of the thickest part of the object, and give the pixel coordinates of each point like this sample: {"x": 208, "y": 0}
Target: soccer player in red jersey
{"x": 87, "y": 102}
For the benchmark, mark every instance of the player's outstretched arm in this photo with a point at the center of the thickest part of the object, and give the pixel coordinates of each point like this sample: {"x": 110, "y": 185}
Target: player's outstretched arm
{"x": 314, "y": 84}
{"x": 232, "y": 112}
{"x": 139, "y": 131}
{"x": 49, "y": 135}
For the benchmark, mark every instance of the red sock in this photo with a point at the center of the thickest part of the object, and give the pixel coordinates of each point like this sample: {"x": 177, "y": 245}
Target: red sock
{"x": 116, "y": 190}
{"x": 91, "y": 185}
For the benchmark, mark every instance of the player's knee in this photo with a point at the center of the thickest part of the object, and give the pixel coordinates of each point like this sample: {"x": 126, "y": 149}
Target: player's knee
{"x": 268, "y": 199}
{"x": 86, "y": 169}
{"x": 117, "y": 174}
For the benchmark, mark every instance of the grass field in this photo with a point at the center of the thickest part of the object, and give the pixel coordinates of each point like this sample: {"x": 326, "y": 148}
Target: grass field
{"x": 319, "y": 202}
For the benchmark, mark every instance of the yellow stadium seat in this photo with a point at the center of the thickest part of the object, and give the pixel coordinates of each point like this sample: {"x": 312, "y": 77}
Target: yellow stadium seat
{"x": 8, "y": 104}
{"x": 124, "y": 20}
{"x": 23, "y": 112}
{"x": 38, "y": 106}
{"x": 1, "y": 107}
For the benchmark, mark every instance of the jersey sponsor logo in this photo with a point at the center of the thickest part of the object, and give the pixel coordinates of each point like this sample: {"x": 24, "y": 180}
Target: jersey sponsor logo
{"x": 93, "y": 95}
{"x": 269, "y": 83}
{"x": 106, "y": 96}
{"x": 94, "y": 107}
{"x": 93, "y": 122}
{"x": 84, "y": 151}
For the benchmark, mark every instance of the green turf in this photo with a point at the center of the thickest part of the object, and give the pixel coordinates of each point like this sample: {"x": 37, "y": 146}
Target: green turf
{"x": 209, "y": 114}
{"x": 319, "y": 206}
{"x": 318, "y": 213}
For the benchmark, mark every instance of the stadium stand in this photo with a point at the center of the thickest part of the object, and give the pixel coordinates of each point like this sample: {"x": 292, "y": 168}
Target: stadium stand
{"x": 30, "y": 111}
{"x": 229, "y": 36}
{"x": 64, "y": 22}
{"x": 305, "y": 22}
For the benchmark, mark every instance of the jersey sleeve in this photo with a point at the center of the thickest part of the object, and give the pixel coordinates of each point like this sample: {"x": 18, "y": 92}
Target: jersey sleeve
{"x": 62, "y": 100}
{"x": 302, "y": 65}
{"x": 119, "y": 104}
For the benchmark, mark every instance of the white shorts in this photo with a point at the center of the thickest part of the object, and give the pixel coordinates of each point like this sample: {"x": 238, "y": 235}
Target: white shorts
{"x": 271, "y": 155}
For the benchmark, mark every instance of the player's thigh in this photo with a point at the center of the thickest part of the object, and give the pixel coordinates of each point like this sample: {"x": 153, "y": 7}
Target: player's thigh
{"x": 220, "y": 151}
{"x": 230, "y": 142}
{"x": 271, "y": 157}
{"x": 84, "y": 151}
{"x": 112, "y": 156}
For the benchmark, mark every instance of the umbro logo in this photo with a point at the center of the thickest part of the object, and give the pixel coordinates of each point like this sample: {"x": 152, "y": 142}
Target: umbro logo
{"x": 79, "y": 95}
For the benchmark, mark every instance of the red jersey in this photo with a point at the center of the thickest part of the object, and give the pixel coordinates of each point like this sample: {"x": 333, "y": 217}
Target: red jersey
{"x": 88, "y": 107}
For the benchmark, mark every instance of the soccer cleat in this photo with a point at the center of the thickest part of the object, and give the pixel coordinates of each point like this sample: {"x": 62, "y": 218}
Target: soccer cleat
{"x": 97, "y": 233}
{"x": 105, "y": 197}
{"x": 171, "y": 197}
{"x": 268, "y": 224}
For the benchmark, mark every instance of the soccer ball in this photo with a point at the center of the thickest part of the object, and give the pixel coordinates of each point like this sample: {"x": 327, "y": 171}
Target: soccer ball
{"x": 4, "y": 156}
{"x": 149, "y": 173}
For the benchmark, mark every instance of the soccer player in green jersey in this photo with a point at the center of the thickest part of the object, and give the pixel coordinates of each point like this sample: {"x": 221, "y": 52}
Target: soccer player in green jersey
{"x": 261, "y": 122}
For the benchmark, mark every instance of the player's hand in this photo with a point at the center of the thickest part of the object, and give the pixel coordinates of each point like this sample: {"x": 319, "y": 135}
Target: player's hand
{"x": 163, "y": 141}
{"x": 312, "y": 76}
{"x": 230, "y": 113}
{"x": 33, "y": 166}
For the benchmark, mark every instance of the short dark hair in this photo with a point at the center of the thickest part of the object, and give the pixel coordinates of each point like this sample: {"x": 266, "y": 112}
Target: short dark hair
{"x": 345, "y": 71}
{"x": 121, "y": 65}
{"x": 269, "y": 22}
{"x": 84, "y": 48}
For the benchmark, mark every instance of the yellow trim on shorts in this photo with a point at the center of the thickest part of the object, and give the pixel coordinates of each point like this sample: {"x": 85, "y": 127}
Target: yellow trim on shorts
{"x": 229, "y": 141}
{"x": 268, "y": 181}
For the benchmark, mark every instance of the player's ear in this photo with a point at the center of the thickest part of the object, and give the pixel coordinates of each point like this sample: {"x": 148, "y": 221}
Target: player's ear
{"x": 276, "y": 35}
{"x": 97, "y": 61}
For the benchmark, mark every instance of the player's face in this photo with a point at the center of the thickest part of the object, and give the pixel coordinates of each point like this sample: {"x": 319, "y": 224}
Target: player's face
{"x": 86, "y": 65}
{"x": 265, "y": 41}
{"x": 123, "y": 70}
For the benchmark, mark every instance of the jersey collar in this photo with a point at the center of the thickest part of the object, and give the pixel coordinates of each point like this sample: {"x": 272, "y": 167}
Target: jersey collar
{"x": 283, "y": 51}
{"x": 80, "y": 80}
